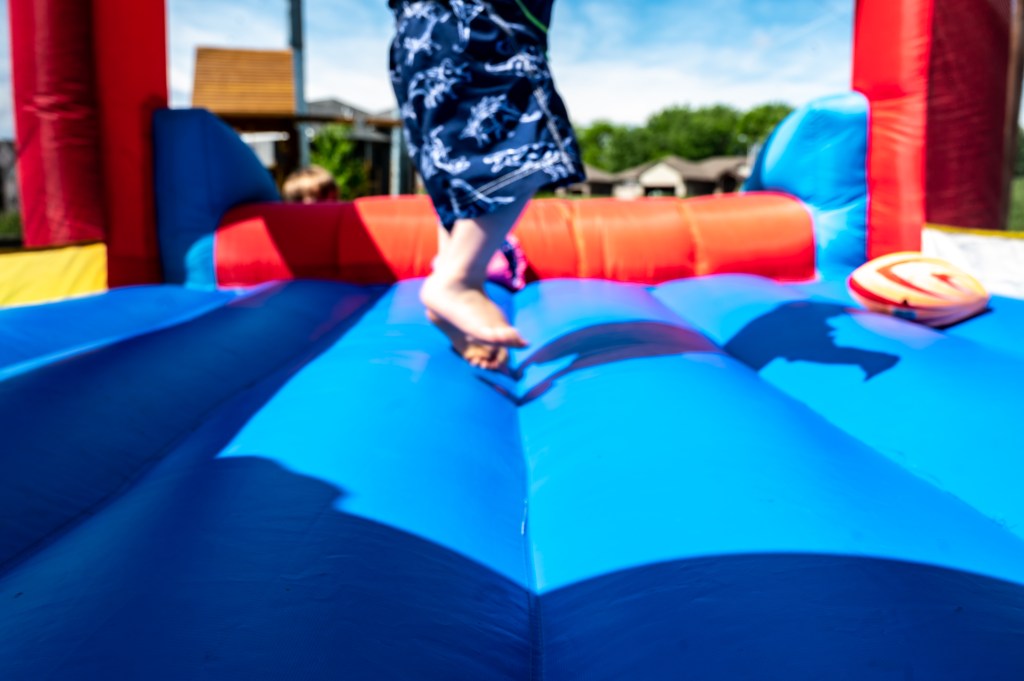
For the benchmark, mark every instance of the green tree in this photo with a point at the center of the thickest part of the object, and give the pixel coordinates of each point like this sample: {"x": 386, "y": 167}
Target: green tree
{"x": 613, "y": 147}
{"x": 687, "y": 132}
{"x": 333, "y": 149}
{"x": 10, "y": 226}
{"x": 755, "y": 125}
{"x": 1018, "y": 162}
{"x": 696, "y": 134}
{"x": 597, "y": 144}
{"x": 633, "y": 146}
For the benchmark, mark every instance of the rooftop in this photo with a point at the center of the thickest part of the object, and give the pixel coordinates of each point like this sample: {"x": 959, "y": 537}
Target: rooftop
{"x": 708, "y": 170}
{"x": 244, "y": 81}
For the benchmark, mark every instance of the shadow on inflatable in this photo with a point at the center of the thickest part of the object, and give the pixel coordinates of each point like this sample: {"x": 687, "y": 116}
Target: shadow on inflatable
{"x": 591, "y": 347}
{"x": 141, "y": 396}
{"x": 300, "y": 589}
{"x": 800, "y": 332}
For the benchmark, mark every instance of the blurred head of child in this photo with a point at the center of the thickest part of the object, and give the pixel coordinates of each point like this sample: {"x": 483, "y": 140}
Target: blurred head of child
{"x": 310, "y": 185}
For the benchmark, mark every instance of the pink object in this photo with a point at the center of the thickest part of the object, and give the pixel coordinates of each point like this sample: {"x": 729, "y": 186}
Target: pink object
{"x": 507, "y": 266}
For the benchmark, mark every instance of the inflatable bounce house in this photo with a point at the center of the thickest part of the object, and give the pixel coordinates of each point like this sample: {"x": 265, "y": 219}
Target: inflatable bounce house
{"x": 253, "y": 458}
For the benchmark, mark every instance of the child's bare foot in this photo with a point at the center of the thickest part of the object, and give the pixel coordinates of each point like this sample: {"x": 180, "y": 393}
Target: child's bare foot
{"x": 479, "y": 355}
{"x": 470, "y": 311}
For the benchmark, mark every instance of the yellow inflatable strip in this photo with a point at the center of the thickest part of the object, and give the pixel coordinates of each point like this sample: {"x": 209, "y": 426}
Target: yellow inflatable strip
{"x": 995, "y": 233}
{"x": 46, "y": 275}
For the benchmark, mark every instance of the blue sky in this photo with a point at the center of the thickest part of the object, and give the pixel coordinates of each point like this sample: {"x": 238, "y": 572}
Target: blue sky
{"x": 612, "y": 59}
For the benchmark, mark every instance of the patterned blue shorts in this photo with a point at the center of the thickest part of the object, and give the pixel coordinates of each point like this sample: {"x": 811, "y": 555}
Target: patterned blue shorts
{"x": 483, "y": 122}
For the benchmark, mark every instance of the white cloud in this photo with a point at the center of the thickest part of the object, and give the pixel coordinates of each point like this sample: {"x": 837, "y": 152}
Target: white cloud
{"x": 6, "y": 93}
{"x": 259, "y": 24}
{"x": 624, "y": 65}
{"x": 347, "y": 52}
{"x": 628, "y": 94}
{"x": 613, "y": 60}
{"x": 346, "y": 43}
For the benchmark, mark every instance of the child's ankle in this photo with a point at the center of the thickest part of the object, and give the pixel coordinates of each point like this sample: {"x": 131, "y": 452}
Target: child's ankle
{"x": 458, "y": 276}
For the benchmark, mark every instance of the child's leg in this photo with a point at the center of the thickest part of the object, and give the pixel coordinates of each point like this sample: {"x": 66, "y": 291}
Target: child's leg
{"x": 477, "y": 354}
{"x": 455, "y": 291}
{"x": 480, "y": 355}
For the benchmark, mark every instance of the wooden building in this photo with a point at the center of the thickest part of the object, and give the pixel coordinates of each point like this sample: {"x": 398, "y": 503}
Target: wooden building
{"x": 669, "y": 176}
{"x": 254, "y": 92}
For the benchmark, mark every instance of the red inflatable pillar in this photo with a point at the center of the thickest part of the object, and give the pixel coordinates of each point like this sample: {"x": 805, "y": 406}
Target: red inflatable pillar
{"x": 87, "y": 77}
{"x": 59, "y": 168}
{"x": 892, "y": 52}
{"x": 938, "y": 75}
{"x": 967, "y": 114}
{"x": 130, "y": 51}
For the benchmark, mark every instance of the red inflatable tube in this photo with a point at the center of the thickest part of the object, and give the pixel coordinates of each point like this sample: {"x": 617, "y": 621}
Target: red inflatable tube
{"x": 59, "y": 161}
{"x": 384, "y": 240}
{"x": 130, "y": 61}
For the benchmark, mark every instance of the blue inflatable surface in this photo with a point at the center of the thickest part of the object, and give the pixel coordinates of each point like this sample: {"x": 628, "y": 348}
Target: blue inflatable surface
{"x": 817, "y": 154}
{"x": 718, "y": 478}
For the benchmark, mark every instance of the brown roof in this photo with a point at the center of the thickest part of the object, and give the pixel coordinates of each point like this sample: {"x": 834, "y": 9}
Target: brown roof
{"x": 688, "y": 169}
{"x": 708, "y": 170}
{"x": 712, "y": 169}
{"x": 680, "y": 165}
{"x": 244, "y": 81}
{"x": 600, "y": 176}
{"x": 635, "y": 172}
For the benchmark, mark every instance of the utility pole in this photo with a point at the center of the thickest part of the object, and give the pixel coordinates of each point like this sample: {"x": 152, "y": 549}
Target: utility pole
{"x": 298, "y": 64}
{"x": 1015, "y": 74}
{"x": 395, "y": 184}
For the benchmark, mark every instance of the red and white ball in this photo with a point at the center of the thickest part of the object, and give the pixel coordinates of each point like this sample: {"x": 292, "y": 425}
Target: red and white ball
{"x": 919, "y": 288}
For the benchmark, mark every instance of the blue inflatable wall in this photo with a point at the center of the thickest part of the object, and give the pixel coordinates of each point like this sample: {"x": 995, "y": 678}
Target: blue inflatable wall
{"x": 719, "y": 479}
{"x": 202, "y": 170}
{"x": 818, "y": 154}
{"x": 716, "y": 478}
